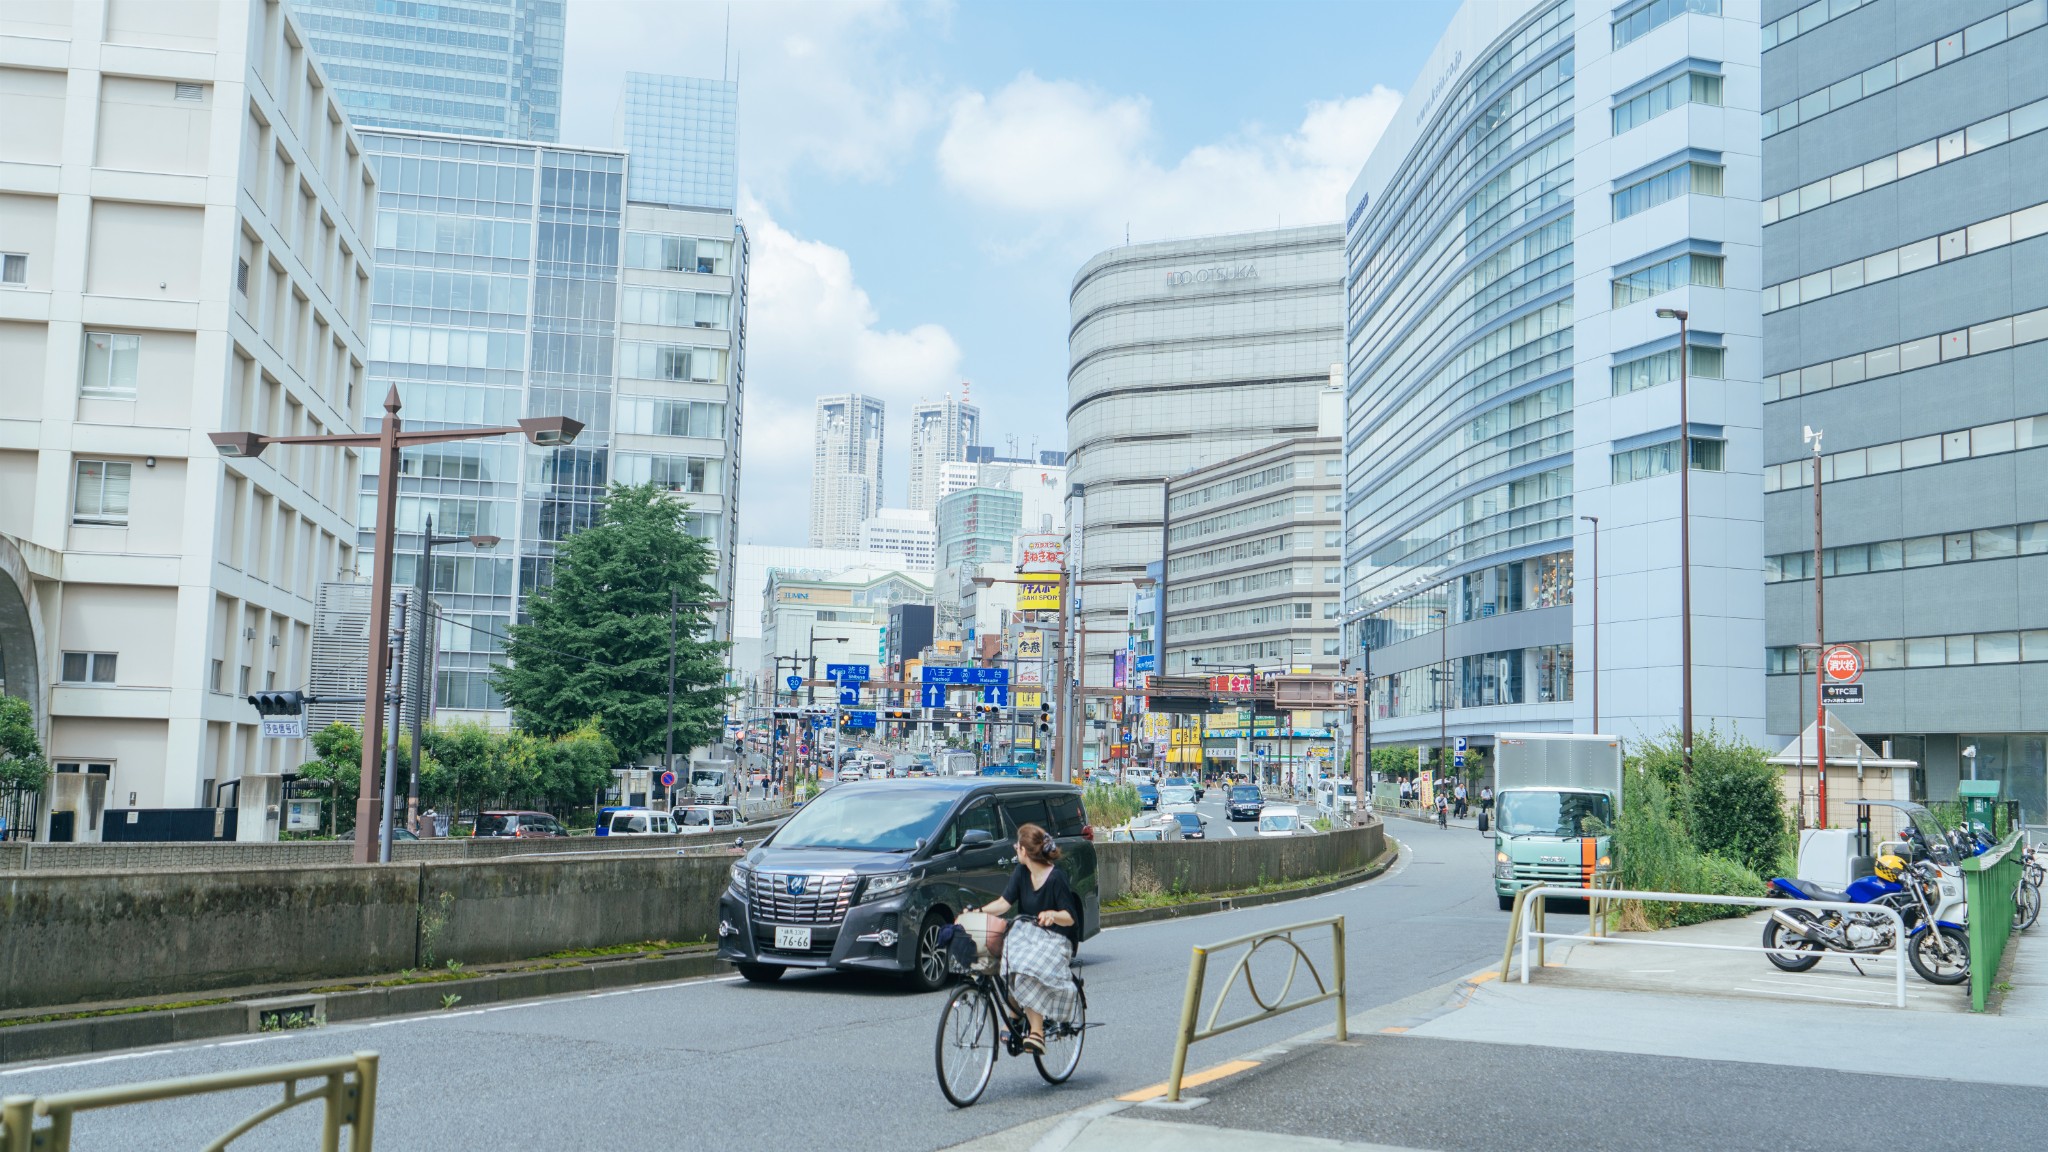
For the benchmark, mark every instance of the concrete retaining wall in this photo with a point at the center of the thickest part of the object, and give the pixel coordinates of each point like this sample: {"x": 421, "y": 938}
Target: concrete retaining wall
{"x": 78, "y": 937}
{"x": 38, "y": 857}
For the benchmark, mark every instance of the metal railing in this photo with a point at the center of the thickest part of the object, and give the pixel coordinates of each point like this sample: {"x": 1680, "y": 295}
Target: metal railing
{"x": 1991, "y": 885}
{"x": 1198, "y": 971}
{"x": 347, "y": 1088}
{"x": 1527, "y": 925}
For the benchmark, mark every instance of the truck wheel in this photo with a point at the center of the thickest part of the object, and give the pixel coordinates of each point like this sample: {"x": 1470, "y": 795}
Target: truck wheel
{"x": 760, "y": 973}
{"x": 1507, "y": 903}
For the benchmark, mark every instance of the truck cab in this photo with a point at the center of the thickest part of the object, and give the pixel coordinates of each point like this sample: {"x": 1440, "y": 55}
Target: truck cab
{"x": 1555, "y": 808}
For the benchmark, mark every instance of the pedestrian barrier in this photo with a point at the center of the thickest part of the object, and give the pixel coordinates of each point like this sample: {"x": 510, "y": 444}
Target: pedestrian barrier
{"x": 347, "y": 1089}
{"x": 1198, "y": 971}
{"x": 1527, "y": 925}
{"x": 1990, "y": 885}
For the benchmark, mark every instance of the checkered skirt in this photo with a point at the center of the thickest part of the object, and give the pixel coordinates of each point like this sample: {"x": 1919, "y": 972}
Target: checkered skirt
{"x": 1035, "y": 965}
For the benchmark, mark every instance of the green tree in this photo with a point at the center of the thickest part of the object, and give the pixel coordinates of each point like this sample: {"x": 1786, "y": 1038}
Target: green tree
{"x": 1735, "y": 807}
{"x": 469, "y": 764}
{"x": 340, "y": 767}
{"x": 21, "y": 754}
{"x": 598, "y": 642}
{"x": 576, "y": 766}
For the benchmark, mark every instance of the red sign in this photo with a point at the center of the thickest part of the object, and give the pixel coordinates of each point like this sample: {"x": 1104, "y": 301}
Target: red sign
{"x": 1235, "y": 683}
{"x": 1842, "y": 664}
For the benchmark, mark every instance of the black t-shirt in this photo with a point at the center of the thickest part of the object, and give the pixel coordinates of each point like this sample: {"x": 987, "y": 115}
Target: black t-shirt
{"x": 1052, "y": 896}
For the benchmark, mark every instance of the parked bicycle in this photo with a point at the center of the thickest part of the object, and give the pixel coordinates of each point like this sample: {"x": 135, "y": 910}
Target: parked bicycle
{"x": 980, "y": 1021}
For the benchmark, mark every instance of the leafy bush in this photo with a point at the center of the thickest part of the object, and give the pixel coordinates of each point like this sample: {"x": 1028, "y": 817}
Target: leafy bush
{"x": 1735, "y": 807}
{"x": 1111, "y": 805}
{"x": 21, "y": 755}
{"x": 1655, "y": 853}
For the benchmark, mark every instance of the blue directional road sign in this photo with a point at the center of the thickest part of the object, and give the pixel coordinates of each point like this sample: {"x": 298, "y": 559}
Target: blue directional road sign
{"x": 820, "y": 720}
{"x": 996, "y": 694}
{"x": 860, "y": 719}
{"x": 847, "y": 673}
{"x": 849, "y": 693}
{"x": 933, "y": 696}
{"x": 988, "y": 675}
{"x": 944, "y": 674}
{"x": 794, "y": 682}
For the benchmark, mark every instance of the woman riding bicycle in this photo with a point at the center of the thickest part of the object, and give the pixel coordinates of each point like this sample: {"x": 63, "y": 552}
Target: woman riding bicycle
{"x": 1040, "y": 943}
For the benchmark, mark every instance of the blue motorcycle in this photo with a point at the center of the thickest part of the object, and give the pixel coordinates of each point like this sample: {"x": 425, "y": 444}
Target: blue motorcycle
{"x": 1797, "y": 938}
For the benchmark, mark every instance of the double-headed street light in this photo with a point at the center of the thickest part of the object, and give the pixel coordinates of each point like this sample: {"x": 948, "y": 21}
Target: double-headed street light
{"x": 668, "y": 762}
{"x": 421, "y": 696}
{"x": 1684, "y": 535}
{"x": 389, "y": 440}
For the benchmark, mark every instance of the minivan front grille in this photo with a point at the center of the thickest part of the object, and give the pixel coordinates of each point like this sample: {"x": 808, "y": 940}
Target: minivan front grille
{"x": 824, "y": 899}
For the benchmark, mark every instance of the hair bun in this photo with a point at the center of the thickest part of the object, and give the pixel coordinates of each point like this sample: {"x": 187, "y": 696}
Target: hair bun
{"x": 1037, "y": 844}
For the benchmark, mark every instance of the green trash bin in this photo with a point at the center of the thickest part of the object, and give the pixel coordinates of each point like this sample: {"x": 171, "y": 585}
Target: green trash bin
{"x": 1980, "y": 804}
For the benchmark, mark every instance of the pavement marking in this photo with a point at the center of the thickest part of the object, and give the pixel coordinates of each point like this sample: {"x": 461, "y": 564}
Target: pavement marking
{"x": 1191, "y": 1080}
{"x": 1483, "y": 975}
{"x": 1396, "y": 1030}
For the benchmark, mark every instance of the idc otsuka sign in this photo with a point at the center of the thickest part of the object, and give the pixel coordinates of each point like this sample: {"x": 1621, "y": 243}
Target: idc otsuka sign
{"x": 1212, "y": 275}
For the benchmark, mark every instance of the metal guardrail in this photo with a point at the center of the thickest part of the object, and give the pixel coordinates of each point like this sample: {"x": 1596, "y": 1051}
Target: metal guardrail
{"x": 1198, "y": 971}
{"x": 348, "y": 1089}
{"x": 1527, "y": 925}
{"x": 1990, "y": 884}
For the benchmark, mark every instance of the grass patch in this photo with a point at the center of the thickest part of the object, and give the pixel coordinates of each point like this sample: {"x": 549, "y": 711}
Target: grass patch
{"x": 130, "y": 1011}
{"x": 644, "y": 946}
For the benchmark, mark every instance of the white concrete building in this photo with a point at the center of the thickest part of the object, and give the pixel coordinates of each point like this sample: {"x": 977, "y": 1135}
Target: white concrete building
{"x": 907, "y": 534}
{"x": 956, "y": 476}
{"x": 187, "y": 208}
{"x": 941, "y": 431}
{"x": 846, "y": 469}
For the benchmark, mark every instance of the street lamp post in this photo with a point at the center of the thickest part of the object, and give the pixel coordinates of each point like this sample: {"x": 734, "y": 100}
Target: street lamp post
{"x": 1798, "y": 723}
{"x": 1059, "y": 766}
{"x": 1596, "y": 619}
{"x": 1820, "y": 701}
{"x": 1442, "y": 675}
{"x": 668, "y": 759}
{"x": 1684, "y": 534}
{"x": 422, "y": 695}
{"x": 388, "y": 440}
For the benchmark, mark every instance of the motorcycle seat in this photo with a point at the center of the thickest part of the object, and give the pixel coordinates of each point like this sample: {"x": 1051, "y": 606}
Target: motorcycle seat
{"x": 1812, "y": 891}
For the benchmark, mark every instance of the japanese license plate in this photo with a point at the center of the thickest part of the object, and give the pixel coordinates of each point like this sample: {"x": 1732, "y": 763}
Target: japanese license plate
{"x": 792, "y": 939}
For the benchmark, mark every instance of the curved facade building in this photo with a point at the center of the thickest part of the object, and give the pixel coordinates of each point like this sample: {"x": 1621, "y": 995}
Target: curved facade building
{"x": 1560, "y": 172}
{"x": 1183, "y": 353}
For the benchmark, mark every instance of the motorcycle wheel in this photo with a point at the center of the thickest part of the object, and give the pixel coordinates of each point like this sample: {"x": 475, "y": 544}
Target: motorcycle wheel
{"x": 1794, "y": 954}
{"x": 1926, "y": 951}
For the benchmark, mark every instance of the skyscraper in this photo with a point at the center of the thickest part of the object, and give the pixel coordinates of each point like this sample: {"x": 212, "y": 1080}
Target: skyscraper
{"x": 846, "y": 469}
{"x": 479, "y": 68}
{"x": 940, "y": 432}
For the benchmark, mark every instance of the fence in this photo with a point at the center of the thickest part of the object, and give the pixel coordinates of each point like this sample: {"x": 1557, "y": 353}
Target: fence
{"x": 1198, "y": 971}
{"x": 347, "y": 1089}
{"x": 1990, "y": 883}
{"x": 1526, "y": 924}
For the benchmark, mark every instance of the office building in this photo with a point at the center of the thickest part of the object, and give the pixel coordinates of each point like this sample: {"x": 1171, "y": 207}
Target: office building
{"x": 1184, "y": 353}
{"x": 1905, "y": 320}
{"x": 976, "y": 526}
{"x": 488, "y": 68}
{"x": 956, "y": 476}
{"x": 1255, "y": 558}
{"x": 683, "y": 307}
{"x": 906, "y": 535}
{"x": 846, "y": 469}
{"x": 1559, "y": 173}
{"x": 941, "y": 432}
{"x": 185, "y": 214}
{"x": 838, "y": 619}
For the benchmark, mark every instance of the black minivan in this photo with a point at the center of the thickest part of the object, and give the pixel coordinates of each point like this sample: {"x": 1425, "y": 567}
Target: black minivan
{"x": 864, "y": 876}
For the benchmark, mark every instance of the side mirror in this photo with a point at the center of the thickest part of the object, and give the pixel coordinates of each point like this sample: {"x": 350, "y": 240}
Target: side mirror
{"x": 976, "y": 838}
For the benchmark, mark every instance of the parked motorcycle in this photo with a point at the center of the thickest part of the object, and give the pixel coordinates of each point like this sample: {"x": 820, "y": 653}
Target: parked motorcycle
{"x": 1938, "y": 949}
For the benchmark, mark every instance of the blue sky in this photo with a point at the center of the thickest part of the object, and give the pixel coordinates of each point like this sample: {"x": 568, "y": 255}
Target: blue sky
{"x": 922, "y": 180}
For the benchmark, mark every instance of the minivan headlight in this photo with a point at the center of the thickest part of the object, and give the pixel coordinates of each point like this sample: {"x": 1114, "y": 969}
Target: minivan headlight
{"x": 742, "y": 877}
{"x": 888, "y": 884}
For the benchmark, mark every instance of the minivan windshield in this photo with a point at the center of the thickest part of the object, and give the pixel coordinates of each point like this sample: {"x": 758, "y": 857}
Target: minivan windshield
{"x": 866, "y": 819}
{"x": 1177, "y": 794}
{"x": 1245, "y": 792}
{"x": 1542, "y": 813}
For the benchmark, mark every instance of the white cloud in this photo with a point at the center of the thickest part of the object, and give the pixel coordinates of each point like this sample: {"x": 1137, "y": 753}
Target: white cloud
{"x": 812, "y": 331}
{"x": 1080, "y": 160}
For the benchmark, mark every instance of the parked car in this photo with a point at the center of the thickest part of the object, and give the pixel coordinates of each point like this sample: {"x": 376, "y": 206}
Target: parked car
{"x": 852, "y": 772}
{"x": 1191, "y": 823}
{"x": 518, "y": 824}
{"x": 1244, "y": 802}
{"x": 1148, "y": 795}
{"x": 697, "y": 818}
{"x": 1176, "y": 795}
{"x": 639, "y": 822}
{"x": 1142, "y": 831}
{"x": 1336, "y": 799}
{"x": 865, "y": 876}
{"x": 1281, "y": 820}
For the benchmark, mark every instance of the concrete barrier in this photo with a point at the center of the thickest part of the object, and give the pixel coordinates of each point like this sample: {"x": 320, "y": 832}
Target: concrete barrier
{"x": 80, "y": 937}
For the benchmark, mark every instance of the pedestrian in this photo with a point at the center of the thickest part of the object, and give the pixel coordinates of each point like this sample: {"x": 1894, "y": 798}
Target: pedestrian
{"x": 1485, "y": 797}
{"x": 1460, "y": 795}
{"x": 1039, "y": 947}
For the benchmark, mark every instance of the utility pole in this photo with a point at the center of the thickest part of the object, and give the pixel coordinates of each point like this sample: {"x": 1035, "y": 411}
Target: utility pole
{"x": 1820, "y": 639}
{"x": 1684, "y": 534}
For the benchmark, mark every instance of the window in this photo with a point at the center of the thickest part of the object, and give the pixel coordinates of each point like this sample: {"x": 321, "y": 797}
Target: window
{"x": 242, "y": 681}
{"x": 1332, "y": 648}
{"x": 1662, "y": 459}
{"x": 1333, "y": 539}
{"x": 1633, "y": 24}
{"x": 110, "y": 360}
{"x": 183, "y": 91}
{"x": 1691, "y": 268}
{"x": 1333, "y": 503}
{"x": 1662, "y": 368}
{"x": 13, "y": 268}
{"x": 678, "y": 253}
{"x": 1333, "y": 575}
{"x": 1333, "y": 467}
{"x": 88, "y": 667}
{"x": 1687, "y": 88}
{"x": 242, "y": 276}
{"x": 102, "y": 496}
{"x": 1694, "y": 177}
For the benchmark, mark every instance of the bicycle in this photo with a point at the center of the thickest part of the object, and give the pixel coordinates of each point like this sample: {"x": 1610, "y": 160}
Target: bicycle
{"x": 980, "y": 1019}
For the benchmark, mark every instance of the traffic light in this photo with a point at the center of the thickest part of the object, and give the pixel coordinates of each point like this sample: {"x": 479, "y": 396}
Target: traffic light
{"x": 901, "y": 715}
{"x": 278, "y": 703}
{"x": 1045, "y": 717}
{"x": 987, "y": 713}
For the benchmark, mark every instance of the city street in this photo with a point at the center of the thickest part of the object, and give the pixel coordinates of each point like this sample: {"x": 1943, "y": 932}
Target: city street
{"x": 824, "y": 1060}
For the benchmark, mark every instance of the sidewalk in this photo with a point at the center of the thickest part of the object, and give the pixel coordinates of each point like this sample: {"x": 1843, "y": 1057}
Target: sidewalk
{"x": 2027, "y": 972}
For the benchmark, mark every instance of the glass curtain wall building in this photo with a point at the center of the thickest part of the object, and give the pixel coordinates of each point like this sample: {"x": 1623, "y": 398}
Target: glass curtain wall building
{"x": 479, "y": 68}
{"x": 1183, "y": 353}
{"x": 495, "y": 297}
{"x": 1906, "y": 319}
{"x": 1559, "y": 173}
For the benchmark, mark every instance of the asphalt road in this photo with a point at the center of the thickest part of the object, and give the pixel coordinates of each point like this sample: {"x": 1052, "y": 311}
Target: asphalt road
{"x": 820, "y": 1060}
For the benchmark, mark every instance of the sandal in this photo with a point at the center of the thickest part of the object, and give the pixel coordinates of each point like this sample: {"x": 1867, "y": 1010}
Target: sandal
{"x": 1034, "y": 1043}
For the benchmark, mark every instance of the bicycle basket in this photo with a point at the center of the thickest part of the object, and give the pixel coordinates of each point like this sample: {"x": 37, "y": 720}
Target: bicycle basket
{"x": 987, "y": 933}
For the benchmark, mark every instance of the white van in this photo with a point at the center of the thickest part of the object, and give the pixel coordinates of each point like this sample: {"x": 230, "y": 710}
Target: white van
{"x": 1336, "y": 799}
{"x": 697, "y": 818}
{"x": 640, "y": 822}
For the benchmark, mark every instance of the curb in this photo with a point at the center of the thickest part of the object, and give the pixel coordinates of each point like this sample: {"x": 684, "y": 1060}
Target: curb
{"x": 1255, "y": 900}
{"x": 59, "y": 1038}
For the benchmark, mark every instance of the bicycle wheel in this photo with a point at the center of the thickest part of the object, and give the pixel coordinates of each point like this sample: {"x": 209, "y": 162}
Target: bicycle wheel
{"x": 2026, "y": 907}
{"x": 965, "y": 1049}
{"x": 1063, "y": 1045}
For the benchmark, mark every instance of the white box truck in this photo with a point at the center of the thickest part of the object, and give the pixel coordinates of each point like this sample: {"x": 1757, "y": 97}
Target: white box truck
{"x": 1556, "y": 801}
